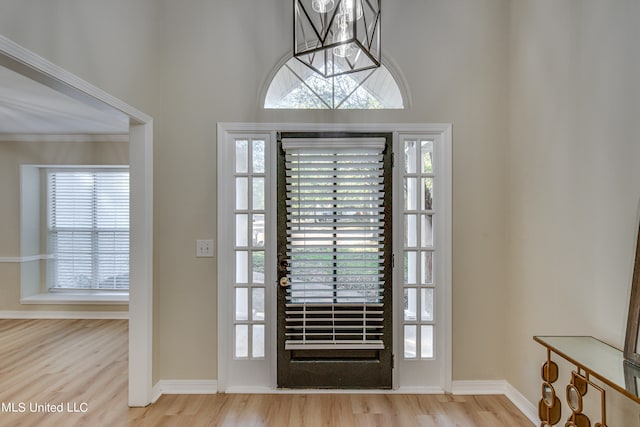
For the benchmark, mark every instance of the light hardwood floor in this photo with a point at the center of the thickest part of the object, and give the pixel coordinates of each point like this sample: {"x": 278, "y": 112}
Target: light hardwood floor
{"x": 82, "y": 364}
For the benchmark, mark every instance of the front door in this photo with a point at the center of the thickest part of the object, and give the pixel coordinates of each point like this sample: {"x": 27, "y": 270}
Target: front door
{"x": 334, "y": 250}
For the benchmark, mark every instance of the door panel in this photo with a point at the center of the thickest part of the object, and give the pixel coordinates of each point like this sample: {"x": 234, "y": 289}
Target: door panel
{"x": 334, "y": 260}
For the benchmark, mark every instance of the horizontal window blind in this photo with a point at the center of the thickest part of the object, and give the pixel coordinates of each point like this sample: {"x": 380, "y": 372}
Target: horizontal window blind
{"x": 88, "y": 229}
{"x": 335, "y": 240}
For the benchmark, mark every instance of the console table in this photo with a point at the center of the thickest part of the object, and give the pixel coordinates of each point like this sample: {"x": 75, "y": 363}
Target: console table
{"x": 592, "y": 359}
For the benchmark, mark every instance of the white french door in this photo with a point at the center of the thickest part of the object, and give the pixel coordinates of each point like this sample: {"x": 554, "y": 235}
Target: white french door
{"x": 248, "y": 278}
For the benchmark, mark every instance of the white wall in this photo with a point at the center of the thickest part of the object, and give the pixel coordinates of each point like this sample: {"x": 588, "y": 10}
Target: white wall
{"x": 191, "y": 64}
{"x": 544, "y": 100}
{"x": 453, "y": 55}
{"x": 574, "y": 180}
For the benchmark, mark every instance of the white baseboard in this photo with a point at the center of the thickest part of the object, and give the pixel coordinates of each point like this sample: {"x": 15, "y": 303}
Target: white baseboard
{"x": 458, "y": 387}
{"x": 249, "y": 390}
{"x": 498, "y": 387}
{"x": 183, "y": 387}
{"x": 31, "y": 314}
{"x": 268, "y": 390}
{"x": 527, "y": 408}
{"x": 419, "y": 390}
{"x": 479, "y": 387}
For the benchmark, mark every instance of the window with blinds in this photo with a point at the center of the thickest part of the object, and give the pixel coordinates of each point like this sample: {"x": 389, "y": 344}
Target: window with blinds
{"x": 335, "y": 240}
{"x": 88, "y": 229}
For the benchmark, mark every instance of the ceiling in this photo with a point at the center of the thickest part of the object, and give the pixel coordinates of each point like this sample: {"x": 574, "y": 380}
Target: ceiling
{"x": 29, "y": 107}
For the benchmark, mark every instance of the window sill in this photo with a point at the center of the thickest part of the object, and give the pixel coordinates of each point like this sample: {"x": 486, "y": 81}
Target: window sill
{"x": 101, "y": 298}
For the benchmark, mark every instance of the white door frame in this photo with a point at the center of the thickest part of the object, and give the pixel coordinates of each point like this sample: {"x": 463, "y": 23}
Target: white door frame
{"x": 225, "y": 240}
{"x": 20, "y": 60}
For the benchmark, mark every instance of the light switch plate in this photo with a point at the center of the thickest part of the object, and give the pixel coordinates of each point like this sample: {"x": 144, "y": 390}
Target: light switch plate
{"x": 204, "y": 248}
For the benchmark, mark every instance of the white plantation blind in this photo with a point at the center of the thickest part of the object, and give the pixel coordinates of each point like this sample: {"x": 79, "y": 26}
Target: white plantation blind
{"x": 88, "y": 229}
{"x": 335, "y": 241}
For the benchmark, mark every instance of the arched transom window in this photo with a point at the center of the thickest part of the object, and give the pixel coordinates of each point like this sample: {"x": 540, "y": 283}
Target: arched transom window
{"x": 295, "y": 86}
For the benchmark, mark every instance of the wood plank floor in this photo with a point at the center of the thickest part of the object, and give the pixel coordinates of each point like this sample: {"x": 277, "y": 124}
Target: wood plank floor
{"x": 82, "y": 364}
{"x": 346, "y": 410}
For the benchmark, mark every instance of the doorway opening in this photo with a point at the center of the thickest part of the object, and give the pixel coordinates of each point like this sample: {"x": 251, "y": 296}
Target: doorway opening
{"x": 138, "y": 129}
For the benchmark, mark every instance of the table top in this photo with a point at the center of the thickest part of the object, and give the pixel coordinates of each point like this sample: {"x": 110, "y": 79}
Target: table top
{"x": 598, "y": 359}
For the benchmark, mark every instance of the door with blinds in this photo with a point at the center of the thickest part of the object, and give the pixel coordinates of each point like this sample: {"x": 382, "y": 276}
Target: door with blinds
{"x": 334, "y": 260}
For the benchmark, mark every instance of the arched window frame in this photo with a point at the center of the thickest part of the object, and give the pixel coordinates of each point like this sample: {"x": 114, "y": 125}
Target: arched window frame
{"x": 387, "y": 63}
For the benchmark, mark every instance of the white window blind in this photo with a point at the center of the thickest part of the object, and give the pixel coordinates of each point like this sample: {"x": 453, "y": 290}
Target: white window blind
{"x": 88, "y": 229}
{"x": 335, "y": 241}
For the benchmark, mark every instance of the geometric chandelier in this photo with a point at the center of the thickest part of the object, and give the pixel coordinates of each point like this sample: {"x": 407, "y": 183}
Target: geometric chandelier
{"x": 335, "y": 37}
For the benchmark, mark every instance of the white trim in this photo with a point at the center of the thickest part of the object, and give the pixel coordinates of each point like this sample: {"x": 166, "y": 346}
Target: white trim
{"x": 397, "y": 244}
{"x": 232, "y": 128}
{"x": 272, "y": 248}
{"x": 479, "y": 387}
{"x": 99, "y": 298}
{"x": 18, "y": 59}
{"x": 141, "y": 264}
{"x": 37, "y": 137}
{"x": 419, "y": 390}
{"x": 225, "y": 233}
{"x": 522, "y": 403}
{"x": 498, "y": 387}
{"x": 22, "y": 61}
{"x": 21, "y": 259}
{"x": 251, "y": 390}
{"x": 447, "y": 175}
{"x": 401, "y": 80}
{"x": 30, "y": 314}
{"x": 183, "y": 387}
{"x": 266, "y": 390}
